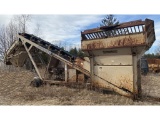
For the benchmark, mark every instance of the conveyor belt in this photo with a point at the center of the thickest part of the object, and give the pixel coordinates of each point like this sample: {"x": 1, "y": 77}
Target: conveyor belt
{"x": 53, "y": 50}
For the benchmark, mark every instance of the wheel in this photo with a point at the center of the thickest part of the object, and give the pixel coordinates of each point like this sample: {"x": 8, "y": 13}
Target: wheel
{"x": 37, "y": 82}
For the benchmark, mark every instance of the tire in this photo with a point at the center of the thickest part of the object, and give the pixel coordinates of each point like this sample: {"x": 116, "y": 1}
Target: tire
{"x": 37, "y": 82}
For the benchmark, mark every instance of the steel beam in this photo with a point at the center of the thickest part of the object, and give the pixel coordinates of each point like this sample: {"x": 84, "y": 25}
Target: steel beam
{"x": 32, "y": 60}
{"x": 66, "y": 72}
{"x": 135, "y": 78}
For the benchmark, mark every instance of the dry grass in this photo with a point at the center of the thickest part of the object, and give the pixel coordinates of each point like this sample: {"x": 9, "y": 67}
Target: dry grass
{"x": 15, "y": 89}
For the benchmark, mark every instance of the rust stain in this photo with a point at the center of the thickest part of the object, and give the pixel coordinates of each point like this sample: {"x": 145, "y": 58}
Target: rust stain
{"x": 81, "y": 78}
{"x": 95, "y": 45}
{"x": 79, "y": 62}
{"x": 100, "y": 84}
{"x": 126, "y": 41}
{"x": 126, "y": 83}
{"x": 73, "y": 79}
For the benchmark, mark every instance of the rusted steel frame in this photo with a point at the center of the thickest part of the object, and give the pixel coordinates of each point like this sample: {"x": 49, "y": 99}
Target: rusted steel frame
{"x": 12, "y": 47}
{"x": 96, "y": 35}
{"x": 131, "y": 24}
{"x": 16, "y": 54}
{"x": 135, "y": 29}
{"x": 90, "y": 37}
{"x": 127, "y": 30}
{"x": 131, "y": 29}
{"x": 135, "y": 76}
{"x": 116, "y": 47}
{"x": 66, "y": 72}
{"x": 149, "y": 24}
{"x": 91, "y": 30}
{"x": 99, "y": 34}
{"x": 123, "y": 25}
{"x": 139, "y": 78}
{"x": 109, "y": 33}
{"x": 104, "y": 33}
{"x": 122, "y": 31}
{"x": 87, "y": 36}
{"x": 119, "y": 31}
{"x": 143, "y": 28}
{"x": 114, "y": 85}
{"x": 149, "y": 27}
{"x": 55, "y": 56}
{"x": 116, "y": 32}
{"x": 32, "y": 60}
{"x": 139, "y": 29}
{"x": 92, "y": 68}
{"x": 112, "y": 33}
{"x": 150, "y": 30}
{"x": 83, "y": 36}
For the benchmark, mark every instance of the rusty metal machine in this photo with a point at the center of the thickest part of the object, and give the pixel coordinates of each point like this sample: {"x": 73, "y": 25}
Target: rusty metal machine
{"x": 30, "y": 46}
{"x": 114, "y": 53}
{"x": 154, "y": 65}
{"x": 112, "y": 60}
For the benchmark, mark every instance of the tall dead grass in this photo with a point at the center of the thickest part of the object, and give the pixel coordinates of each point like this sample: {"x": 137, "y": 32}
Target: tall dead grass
{"x": 15, "y": 89}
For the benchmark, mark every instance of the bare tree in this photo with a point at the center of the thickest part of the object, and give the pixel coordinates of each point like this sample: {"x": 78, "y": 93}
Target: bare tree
{"x": 38, "y": 30}
{"x": 11, "y": 31}
{"x": 8, "y": 33}
{"x": 22, "y": 21}
{"x": 157, "y": 50}
{"x": 3, "y": 42}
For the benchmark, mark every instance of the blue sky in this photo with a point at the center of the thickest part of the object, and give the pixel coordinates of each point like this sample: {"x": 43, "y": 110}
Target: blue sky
{"x": 65, "y": 29}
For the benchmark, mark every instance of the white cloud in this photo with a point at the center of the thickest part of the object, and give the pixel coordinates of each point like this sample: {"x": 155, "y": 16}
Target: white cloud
{"x": 157, "y": 31}
{"x": 67, "y": 28}
{"x": 4, "y": 19}
{"x": 157, "y": 41}
{"x": 64, "y": 27}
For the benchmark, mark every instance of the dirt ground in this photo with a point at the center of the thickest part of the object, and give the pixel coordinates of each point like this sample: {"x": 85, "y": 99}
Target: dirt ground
{"x": 15, "y": 89}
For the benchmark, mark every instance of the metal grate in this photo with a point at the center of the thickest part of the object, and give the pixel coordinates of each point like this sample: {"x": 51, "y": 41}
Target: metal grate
{"x": 113, "y": 31}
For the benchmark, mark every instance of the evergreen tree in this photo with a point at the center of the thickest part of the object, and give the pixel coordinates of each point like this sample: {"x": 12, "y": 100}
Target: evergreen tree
{"x": 109, "y": 20}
